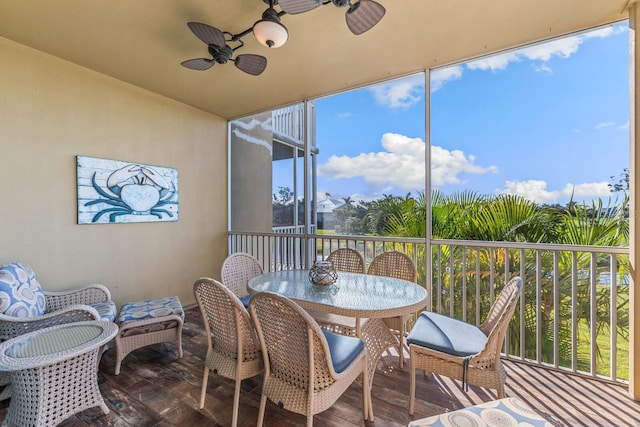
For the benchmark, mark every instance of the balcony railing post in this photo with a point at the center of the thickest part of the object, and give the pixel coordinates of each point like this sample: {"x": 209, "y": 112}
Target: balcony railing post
{"x": 564, "y": 289}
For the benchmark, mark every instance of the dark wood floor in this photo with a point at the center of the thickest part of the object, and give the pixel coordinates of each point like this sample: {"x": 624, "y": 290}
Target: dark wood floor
{"x": 155, "y": 388}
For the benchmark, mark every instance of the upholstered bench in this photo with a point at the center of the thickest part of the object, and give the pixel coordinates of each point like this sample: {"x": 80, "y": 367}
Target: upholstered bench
{"x": 506, "y": 412}
{"x": 147, "y": 322}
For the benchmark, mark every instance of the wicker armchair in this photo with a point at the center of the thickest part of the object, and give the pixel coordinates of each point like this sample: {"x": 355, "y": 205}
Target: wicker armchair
{"x": 25, "y": 307}
{"x": 307, "y": 369}
{"x": 462, "y": 351}
{"x": 233, "y": 348}
{"x": 395, "y": 264}
{"x": 347, "y": 259}
{"x": 237, "y": 270}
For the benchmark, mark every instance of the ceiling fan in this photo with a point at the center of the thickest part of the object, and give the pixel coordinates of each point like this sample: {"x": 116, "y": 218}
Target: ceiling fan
{"x": 361, "y": 16}
{"x": 221, "y": 52}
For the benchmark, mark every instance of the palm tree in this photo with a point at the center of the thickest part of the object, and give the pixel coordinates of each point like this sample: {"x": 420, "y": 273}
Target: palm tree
{"x": 469, "y": 216}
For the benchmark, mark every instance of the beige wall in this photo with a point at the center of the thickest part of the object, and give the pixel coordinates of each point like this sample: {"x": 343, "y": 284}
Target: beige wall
{"x": 50, "y": 112}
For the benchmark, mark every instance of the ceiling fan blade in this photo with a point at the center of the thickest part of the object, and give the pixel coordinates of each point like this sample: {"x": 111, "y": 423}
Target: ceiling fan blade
{"x": 199, "y": 64}
{"x": 363, "y": 15}
{"x": 293, "y": 7}
{"x": 208, "y": 34}
{"x": 251, "y": 64}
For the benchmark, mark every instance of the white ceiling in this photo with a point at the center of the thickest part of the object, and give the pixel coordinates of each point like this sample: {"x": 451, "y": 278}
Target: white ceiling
{"x": 142, "y": 42}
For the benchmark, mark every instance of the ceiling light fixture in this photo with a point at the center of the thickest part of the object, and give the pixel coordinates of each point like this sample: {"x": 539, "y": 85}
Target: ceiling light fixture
{"x": 361, "y": 16}
{"x": 269, "y": 31}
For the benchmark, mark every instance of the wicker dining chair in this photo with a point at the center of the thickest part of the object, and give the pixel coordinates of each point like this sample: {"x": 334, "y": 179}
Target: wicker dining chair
{"x": 400, "y": 266}
{"x": 460, "y": 350}
{"x": 233, "y": 348}
{"x": 237, "y": 270}
{"x": 347, "y": 259}
{"x": 307, "y": 369}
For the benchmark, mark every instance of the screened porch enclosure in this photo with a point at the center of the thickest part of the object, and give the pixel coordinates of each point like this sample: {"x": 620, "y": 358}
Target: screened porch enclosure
{"x": 572, "y": 317}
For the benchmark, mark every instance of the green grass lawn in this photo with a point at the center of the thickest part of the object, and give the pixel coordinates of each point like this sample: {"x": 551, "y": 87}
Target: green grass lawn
{"x": 604, "y": 347}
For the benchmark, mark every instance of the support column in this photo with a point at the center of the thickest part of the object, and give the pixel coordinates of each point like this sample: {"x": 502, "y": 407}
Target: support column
{"x": 634, "y": 198}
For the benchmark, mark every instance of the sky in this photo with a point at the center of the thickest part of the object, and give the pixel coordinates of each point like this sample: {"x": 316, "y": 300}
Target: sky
{"x": 545, "y": 122}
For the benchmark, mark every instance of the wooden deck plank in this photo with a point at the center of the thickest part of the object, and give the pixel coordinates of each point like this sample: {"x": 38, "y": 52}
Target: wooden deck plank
{"x": 155, "y": 389}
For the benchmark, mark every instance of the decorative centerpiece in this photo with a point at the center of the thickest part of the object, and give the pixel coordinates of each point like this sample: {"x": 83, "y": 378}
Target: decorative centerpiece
{"x": 322, "y": 273}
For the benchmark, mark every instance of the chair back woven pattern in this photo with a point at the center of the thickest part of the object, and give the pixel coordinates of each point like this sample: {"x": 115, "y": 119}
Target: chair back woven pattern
{"x": 397, "y": 265}
{"x": 293, "y": 341}
{"x": 347, "y": 259}
{"x": 502, "y": 304}
{"x": 93, "y": 294}
{"x": 496, "y": 324}
{"x": 393, "y": 264}
{"x": 237, "y": 270}
{"x": 230, "y": 333}
{"x": 299, "y": 374}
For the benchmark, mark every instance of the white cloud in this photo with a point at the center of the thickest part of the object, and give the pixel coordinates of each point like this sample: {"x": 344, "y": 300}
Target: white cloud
{"x": 612, "y": 124}
{"x": 401, "y": 93}
{"x": 606, "y": 31}
{"x": 603, "y": 125}
{"x": 563, "y": 48}
{"x": 442, "y": 76}
{"x": 446, "y": 166}
{"x": 543, "y": 68}
{"x": 358, "y": 197}
{"x": 494, "y": 62}
{"x": 536, "y": 190}
{"x": 401, "y": 165}
{"x": 542, "y": 52}
{"x": 345, "y": 115}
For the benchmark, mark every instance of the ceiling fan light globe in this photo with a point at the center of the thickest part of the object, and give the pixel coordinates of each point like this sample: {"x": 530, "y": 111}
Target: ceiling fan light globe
{"x": 364, "y": 15}
{"x": 269, "y": 31}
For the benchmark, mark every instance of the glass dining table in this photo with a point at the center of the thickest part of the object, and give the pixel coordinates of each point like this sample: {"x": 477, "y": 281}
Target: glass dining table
{"x": 355, "y": 304}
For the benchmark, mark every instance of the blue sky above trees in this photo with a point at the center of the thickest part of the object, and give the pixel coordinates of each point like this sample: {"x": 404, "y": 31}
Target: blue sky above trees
{"x": 543, "y": 122}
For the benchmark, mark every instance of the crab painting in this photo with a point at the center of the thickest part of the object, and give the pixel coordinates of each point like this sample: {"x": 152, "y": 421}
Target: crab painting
{"x": 134, "y": 190}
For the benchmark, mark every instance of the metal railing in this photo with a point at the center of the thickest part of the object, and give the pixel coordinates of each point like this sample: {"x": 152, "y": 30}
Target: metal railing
{"x": 292, "y": 229}
{"x": 573, "y": 314}
{"x": 289, "y": 122}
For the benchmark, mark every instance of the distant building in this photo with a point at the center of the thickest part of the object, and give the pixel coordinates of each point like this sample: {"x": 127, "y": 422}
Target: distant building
{"x": 326, "y": 216}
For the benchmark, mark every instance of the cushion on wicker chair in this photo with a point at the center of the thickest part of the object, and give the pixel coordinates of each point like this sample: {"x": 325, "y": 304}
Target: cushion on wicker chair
{"x": 446, "y": 334}
{"x": 245, "y": 300}
{"x": 343, "y": 349}
{"x": 107, "y": 310}
{"x": 150, "y": 308}
{"x": 20, "y": 292}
